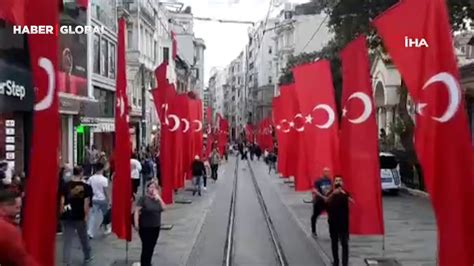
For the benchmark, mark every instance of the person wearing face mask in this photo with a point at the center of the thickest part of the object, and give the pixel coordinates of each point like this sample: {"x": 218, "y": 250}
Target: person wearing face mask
{"x": 12, "y": 248}
{"x": 147, "y": 221}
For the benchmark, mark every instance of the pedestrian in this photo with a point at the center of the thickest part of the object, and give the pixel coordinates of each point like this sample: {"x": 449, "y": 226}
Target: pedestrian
{"x": 198, "y": 171}
{"x": 214, "y": 160}
{"x": 338, "y": 218}
{"x": 148, "y": 168}
{"x": 258, "y": 152}
{"x": 272, "y": 159}
{"x": 321, "y": 189}
{"x": 75, "y": 206}
{"x": 87, "y": 161}
{"x": 12, "y": 247}
{"x": 105, "y": 163}
{"x": 94, "y": 158}
{"x": 136, "y": 168}
{"x": 158, "y": 168}
{"x": 147, "y": 221}
{"x": 100, "y": 200}
{"x": 207, "y": 167}
{"x": 251, "y": 150}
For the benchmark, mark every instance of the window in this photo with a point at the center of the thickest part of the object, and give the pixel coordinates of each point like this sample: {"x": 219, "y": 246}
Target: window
{"x": 96, "y": 58}
{"x": 288, "y": 15}
{"x": 166, "y": 54}
{"x": 270, "y": 50}
{"x": 104, "y": 69}
{"x": 155, "y": 51}
{"x": 270, "y": 79}
{"x": 129, "y": 43}
{"x": 111, "y": 61}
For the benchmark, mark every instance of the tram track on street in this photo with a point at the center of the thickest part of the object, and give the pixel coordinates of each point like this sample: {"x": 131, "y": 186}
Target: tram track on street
{"x": 230, "y": 243}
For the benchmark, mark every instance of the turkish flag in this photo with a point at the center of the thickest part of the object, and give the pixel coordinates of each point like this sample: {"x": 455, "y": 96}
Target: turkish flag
{"x": 174, "y": 45}
{"x": 121, "y": 190}
{"x": 180, "y": 138}
{"x": 442, "y": 135}
{"x": 13, "y": 11}
{"x": 222, "y": 133}
{"x": 163, "y": 95}
{"x": 39, "y": 223}
{"x": 315, "y": 93}
{"x": 360, "y": 170}
{"x": 198, "y": 128}
{"x": 296, "y": 160}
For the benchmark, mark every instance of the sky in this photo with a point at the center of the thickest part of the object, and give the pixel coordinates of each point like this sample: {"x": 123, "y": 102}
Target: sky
{"x": 225, "y": 41}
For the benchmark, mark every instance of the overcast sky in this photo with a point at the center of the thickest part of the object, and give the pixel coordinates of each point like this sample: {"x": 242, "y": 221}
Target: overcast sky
{"x": 225, "y": 41}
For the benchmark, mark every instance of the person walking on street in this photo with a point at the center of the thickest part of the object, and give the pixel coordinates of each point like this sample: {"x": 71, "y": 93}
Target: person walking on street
{"x": 338, "y": 218}
{"x": 215, "y": 160}
{"x": 148, "y": 171}
{"x": 100, "y": 200}
{"x": 12, "y": 247}
{"x": 272, "y": 159}
{"x": 321, "y": 189}
{"x": 75, "y": 206}
{"x": 198, "y": 171}
{"x": 136, "y": 168}
{"x": 147, "y": 221}
{"x": 94, "y": 159}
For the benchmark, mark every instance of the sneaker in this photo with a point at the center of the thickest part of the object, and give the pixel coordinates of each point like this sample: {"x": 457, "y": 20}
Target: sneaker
{"x": 90, "y": 236}
{"x": 91, "y": 258}
{"x": 108, "y": 230}
{"x": 314, "y": 235}
{"x": 205, "y": 188}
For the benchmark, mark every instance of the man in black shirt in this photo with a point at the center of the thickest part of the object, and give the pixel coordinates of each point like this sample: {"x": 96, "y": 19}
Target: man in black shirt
{"x": 321, "y": 189}
{"x": 75, "y": 204}
{"x": 338, "y": 218}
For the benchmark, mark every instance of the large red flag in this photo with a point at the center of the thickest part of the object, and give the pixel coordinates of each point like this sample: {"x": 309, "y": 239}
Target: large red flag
{"x": 39, "y": 228}
{"x": 179, "y": 110}
{"x": 198, "y": 128}
{"x": 315, "y": 92}
{"x": 162, "y": 97}
{"x": 442, "y": 135}
{"x": 13, "y": 11}
{"x": 360, "y": 170}
{"x": 296, "y": 160}
{"x": 121, "y": 190}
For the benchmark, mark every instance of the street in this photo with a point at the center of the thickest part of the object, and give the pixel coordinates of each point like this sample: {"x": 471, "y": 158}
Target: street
{"x": 198, "y": 235}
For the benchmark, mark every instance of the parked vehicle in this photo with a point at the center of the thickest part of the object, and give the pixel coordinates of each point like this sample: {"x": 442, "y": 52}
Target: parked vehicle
{"x": 390, "y": 173}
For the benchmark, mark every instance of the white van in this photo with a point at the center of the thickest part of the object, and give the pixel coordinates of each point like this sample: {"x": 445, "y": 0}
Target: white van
{"x": 390, "y": 172}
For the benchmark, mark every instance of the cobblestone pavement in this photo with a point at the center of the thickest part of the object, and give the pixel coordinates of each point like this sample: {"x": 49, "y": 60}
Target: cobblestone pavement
{"x": 174, "y": 246}
{"x": 409, "y": 224}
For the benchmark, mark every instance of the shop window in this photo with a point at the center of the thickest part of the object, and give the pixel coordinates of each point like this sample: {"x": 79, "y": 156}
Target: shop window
{"x": 96, "y": 58}
{"x": 166, "y": 54}
{"x": 111, "y": 61}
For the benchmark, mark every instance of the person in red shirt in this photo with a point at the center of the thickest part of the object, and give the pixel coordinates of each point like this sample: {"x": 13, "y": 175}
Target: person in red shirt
{"x": 13, "y": 251}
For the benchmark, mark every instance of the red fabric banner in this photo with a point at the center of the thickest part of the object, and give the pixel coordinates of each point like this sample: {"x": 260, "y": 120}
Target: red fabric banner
{"x": 442, "y": 138}
{"x": 13, "y": 11}
{"x": 163, "y": 95}
{"x": 360, "y": 171}
{"x": 222, "y": 134}
{"x": 179, "y": 110}
{"x": 122, "y": 190}
{"x": 40, "y": 212}
{"x": 295, "y": 164}
{"x": 320, "y": 120}
{"x": 198, "y": 129}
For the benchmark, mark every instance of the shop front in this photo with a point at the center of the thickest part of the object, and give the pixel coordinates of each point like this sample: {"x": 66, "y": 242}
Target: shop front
{"x": 16, "y": 113}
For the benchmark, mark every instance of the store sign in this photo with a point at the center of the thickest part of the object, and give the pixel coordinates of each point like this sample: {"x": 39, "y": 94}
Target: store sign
{"x": 16, "y": 89}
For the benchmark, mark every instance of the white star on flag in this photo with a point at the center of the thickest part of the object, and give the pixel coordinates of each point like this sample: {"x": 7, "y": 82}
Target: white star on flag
{"x": 344, "y": 112}
{"x": 308, "y": 119}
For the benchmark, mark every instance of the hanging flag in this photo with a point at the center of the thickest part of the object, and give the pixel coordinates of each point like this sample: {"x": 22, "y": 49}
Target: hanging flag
{"x": 121, "y": 190}
{"x": 296, "y": 160}
{"x": 174, "y": 45}
{"x": 13, "y": 12}
{"x": 315, "y": 92}
{"x": 360, "y": 171}
{"x": 197, "y": 127}
{"x": 179, "y": 133}
{"x": 418, "y": 37}
{"x": 163, "y": 95}
{"x": 40, "y": 213}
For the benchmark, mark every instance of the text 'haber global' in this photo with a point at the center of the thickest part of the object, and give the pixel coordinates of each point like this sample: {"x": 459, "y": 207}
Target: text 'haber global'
{"x": 64, "y": 29}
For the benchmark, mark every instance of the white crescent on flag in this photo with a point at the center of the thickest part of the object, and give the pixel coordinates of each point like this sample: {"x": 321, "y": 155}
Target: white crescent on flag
{"x": 367, "y": 107}
{"x": 186, "y": 125}
{"x": 47, "y": 101}
{"x": 331, "y": 115}
{"x": 176, "y": 122}
{"x": 199, "y": 128}
{"x": 454, "y": 91}
{"x": 299, "y": 129}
